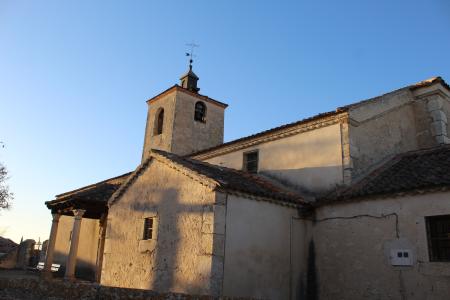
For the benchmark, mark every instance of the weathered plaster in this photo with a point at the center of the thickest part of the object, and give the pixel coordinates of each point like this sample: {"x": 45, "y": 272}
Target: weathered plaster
{"x": 353, "y": 242}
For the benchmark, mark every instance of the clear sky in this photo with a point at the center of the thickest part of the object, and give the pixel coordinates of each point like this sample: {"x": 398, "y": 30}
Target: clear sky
{"x": 75, "y": 75}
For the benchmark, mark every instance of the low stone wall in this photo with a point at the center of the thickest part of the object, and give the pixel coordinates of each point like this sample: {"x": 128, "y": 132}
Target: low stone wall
{"x": 30, "y": 288}
{"x": 19, "y": 257}
{"x": 9, "y": 260}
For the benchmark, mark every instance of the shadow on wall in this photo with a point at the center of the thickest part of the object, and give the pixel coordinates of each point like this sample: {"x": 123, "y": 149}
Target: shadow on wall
{"x": 178, "y": 258}
{"x": 311, "y": 277}
{"x": 320, "y": 180}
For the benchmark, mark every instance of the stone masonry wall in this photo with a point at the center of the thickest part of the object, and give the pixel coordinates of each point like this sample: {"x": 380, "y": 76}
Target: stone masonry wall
{"x": 382, "y": 128}
{"x": 162, "y": 141}
{"x": 397, "y": 122}
{"x": 439, "y": 108}
{"x": 181, "y": 133}
{"x": 189, "y": 135}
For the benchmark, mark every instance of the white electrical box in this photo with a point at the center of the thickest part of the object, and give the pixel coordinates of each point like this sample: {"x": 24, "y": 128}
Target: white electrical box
{"x": 401, "y": 257}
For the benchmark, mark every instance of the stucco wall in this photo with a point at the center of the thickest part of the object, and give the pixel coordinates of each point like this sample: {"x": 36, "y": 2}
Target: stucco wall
{"x": 87, "y": 247}
{"x": 352, "y": 249}
{"x": 180, "y": 258}
{"x": 264, "y": 250}
{"x": 311, "y": 160}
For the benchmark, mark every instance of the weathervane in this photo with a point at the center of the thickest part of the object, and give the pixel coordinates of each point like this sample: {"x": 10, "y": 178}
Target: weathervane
{"x": 191, "y": 54}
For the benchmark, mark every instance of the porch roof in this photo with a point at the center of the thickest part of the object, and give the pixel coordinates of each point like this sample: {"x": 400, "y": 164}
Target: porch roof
{"x": 92, "y": 198}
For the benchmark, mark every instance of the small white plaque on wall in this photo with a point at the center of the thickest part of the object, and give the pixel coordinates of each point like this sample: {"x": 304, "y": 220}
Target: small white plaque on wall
{"x": 401, "y": 257}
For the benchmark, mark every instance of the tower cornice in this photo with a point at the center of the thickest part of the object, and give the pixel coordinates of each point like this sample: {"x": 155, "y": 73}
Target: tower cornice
{"x": 178, "y": 88}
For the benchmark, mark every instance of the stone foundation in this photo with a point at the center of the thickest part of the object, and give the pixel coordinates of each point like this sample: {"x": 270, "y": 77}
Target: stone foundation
{"x": 29, "y": 288}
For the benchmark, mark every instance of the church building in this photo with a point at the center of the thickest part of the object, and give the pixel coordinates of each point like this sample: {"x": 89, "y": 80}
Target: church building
{"x": 348, "y": 204}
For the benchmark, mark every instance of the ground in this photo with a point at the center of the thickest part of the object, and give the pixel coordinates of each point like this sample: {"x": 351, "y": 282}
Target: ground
{"x": 27, "y": 285}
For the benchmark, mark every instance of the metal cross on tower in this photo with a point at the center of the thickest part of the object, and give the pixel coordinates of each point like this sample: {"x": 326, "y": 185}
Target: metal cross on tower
{"x": 191, "y": 54}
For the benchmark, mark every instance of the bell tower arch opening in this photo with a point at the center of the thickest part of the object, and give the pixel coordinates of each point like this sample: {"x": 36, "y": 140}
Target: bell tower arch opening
{"x": 159, "y": 122}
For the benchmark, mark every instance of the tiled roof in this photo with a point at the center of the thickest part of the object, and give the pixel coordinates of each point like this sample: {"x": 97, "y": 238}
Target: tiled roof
{"x": 409, "y": 172}
{"x": 221, "y": 178}
{"x": 338, "y": 110}
{"x": 97, "y": 192}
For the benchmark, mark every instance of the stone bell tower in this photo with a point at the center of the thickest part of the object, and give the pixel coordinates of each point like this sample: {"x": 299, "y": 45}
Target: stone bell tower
{"x": 181, "y": 121}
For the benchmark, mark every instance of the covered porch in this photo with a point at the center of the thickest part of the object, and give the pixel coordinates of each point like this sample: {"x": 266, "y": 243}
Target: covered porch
{"x": 77, "y": 235}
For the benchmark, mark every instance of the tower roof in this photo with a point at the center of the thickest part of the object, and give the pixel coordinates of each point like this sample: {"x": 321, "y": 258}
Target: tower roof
{"x": 189, "y": 73}
{"x": 189, "y": 80}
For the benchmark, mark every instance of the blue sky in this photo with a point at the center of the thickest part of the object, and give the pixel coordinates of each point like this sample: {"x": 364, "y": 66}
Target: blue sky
{"x": 75, "y": 75}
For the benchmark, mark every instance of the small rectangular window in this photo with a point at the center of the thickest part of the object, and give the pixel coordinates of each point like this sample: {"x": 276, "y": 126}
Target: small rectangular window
{"x": 148, "y": 228}
{"x": 251, "y": 162}
{"x": 438, "y": 233}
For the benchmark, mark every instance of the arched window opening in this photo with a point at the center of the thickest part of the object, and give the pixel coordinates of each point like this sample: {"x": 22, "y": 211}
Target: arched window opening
{"x": 159, "y": 122}
{"x": 200, "y": 112}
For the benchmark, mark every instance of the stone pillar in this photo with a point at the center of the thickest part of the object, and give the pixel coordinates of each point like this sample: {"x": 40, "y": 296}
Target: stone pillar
{"x": 51, "y": 245}
{"x": 101, "y": 246}
{"x": 72, "y": 258}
